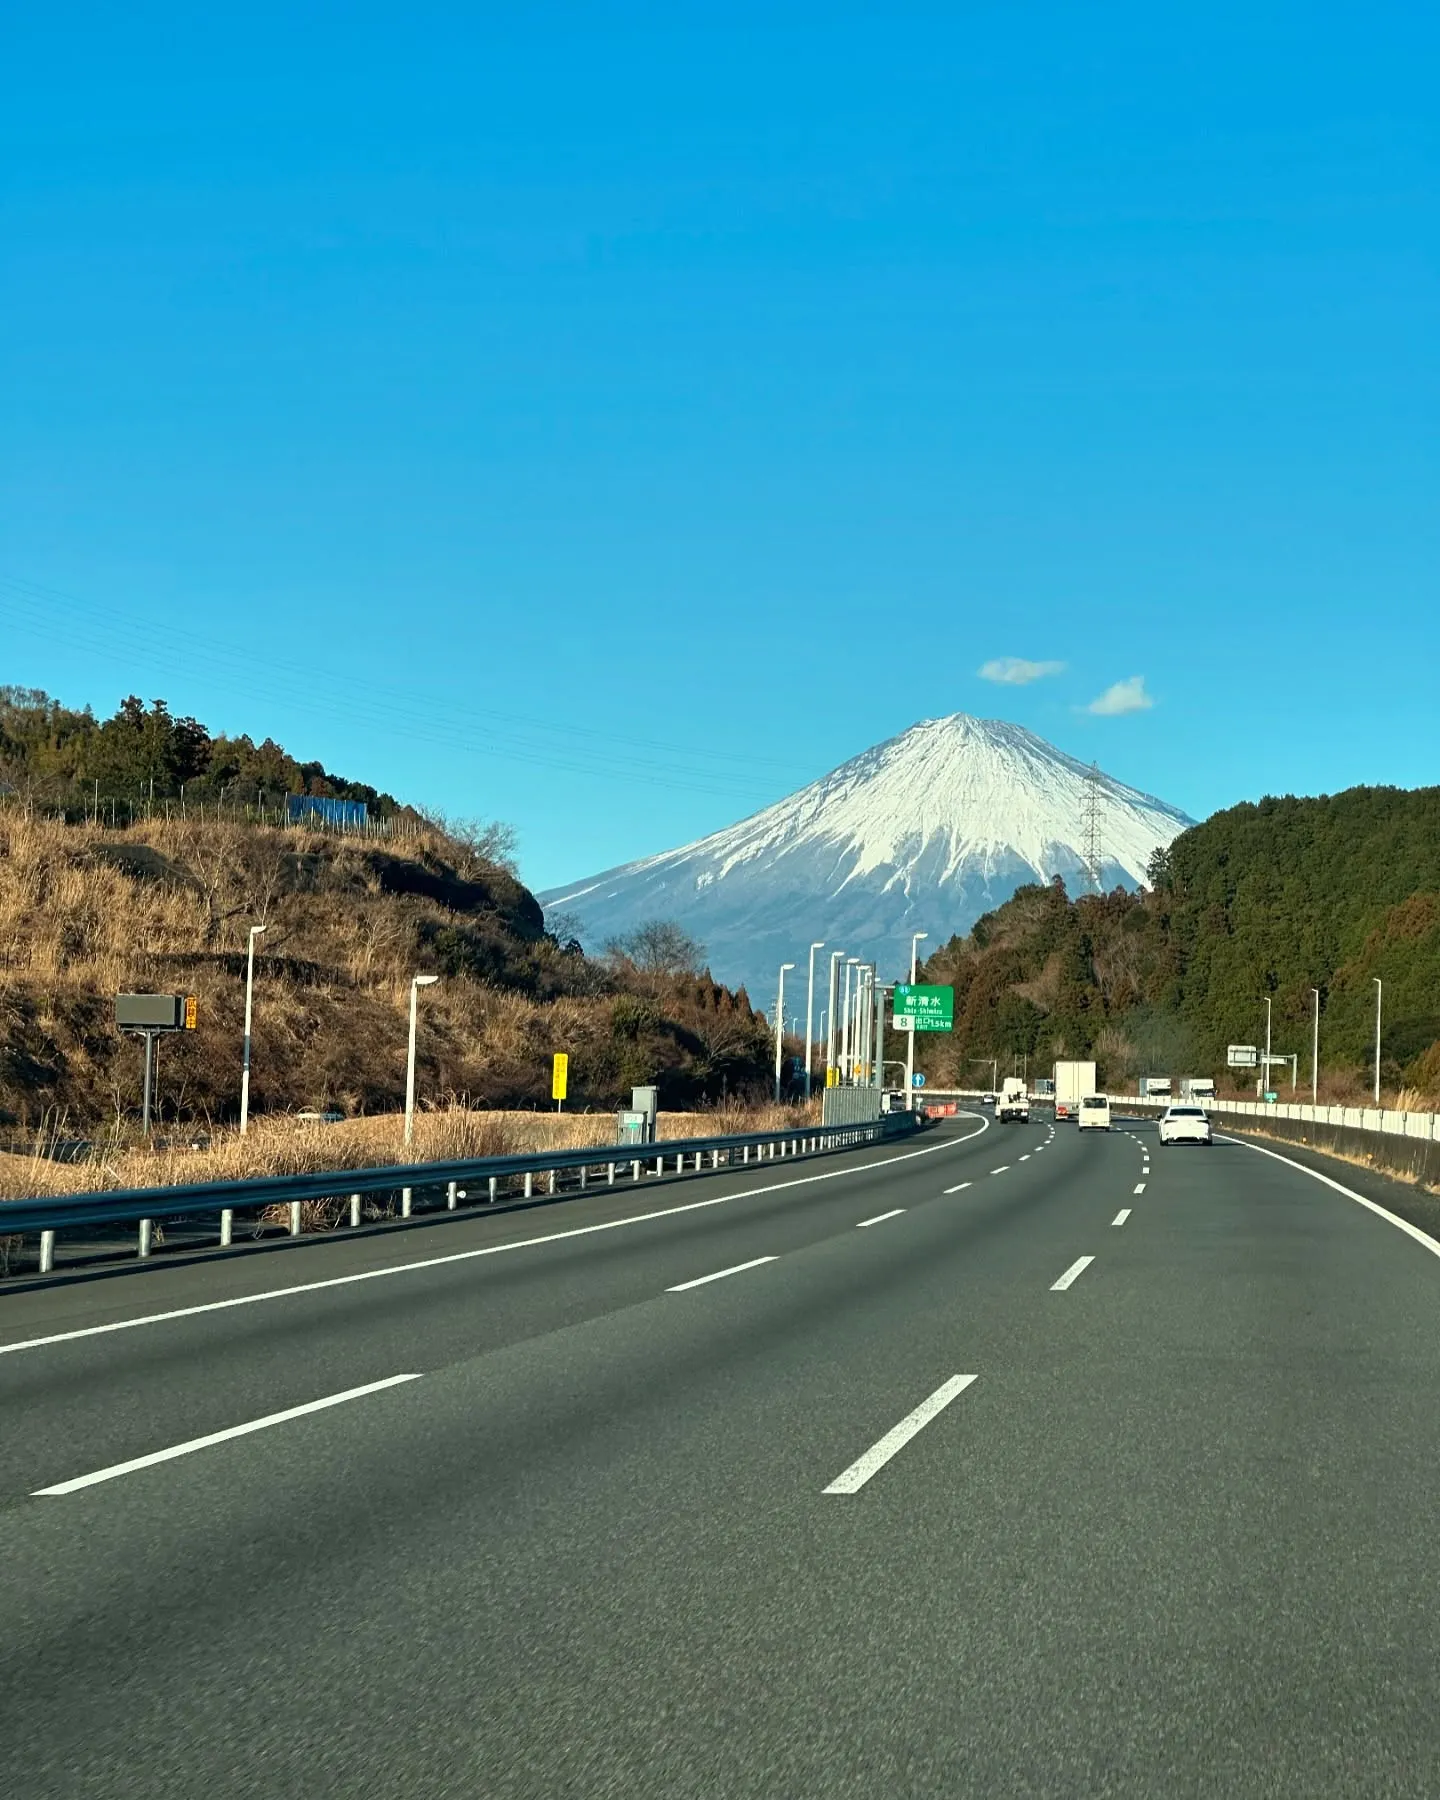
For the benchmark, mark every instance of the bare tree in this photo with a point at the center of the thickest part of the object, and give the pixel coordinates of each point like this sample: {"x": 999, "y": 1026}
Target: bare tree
{"x": 659, "y": 947}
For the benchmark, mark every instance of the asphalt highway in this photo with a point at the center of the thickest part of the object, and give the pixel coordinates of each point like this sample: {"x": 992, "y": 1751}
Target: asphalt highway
{"x": 1002, "y": 1461}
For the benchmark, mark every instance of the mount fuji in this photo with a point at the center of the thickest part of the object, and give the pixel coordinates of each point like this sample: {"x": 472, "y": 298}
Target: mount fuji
{"x": 922, "y": 833}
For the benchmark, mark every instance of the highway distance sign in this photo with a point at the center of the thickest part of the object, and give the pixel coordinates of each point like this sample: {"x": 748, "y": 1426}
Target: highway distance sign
{"x": 922, "y": 1008}
{"x": 1243, "y": 1056}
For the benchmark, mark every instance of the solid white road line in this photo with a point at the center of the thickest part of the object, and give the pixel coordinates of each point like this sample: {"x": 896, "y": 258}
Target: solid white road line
{"x": 895, "y": 1439}
{"x": 1076, "y": 1269}
{"x": 960, "y": 1187}
{"x": 460, "y": 1256}
{"x": 1423, "y": 1238}
{"x": 1139, "y": 1187}
{"x": 880, "y": 1218}
{"x": 222, "y": 1437}
{"x": 1121, "y": 1216}
{"x": 739, "y": 1269}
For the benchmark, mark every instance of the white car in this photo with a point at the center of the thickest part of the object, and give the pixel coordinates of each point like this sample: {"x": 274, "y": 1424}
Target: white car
{"x": 1095, "y": 1112}
{"x": 1185, "y": 1125}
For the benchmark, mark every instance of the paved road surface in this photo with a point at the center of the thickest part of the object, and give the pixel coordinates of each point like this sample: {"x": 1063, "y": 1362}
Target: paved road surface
{"x": 916, "y": 1501}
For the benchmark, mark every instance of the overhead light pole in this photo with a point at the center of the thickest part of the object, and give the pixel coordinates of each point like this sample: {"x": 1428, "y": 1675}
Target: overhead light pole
{"x": 1379, "y": 996}
{"x": 836, "y": 958}
{"x": 1315, "y": 1053}
{"x": 851, "y": 963}
{"x": 780, "y": 1026}
{"x": 810, "y": 1012}
{"x": 1265, "y": 1077}
{"x": 416, "y": 983}
{"x": 910, "y": 1045}
{"x": 255, "y": 931}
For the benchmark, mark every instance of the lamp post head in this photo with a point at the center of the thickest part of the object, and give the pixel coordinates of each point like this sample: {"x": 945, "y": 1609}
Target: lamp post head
{"x": 255, "y": 930}
{"x": 785, "y": 966}
{"x": 420, "y": 981}
{"x": 818, "y": 945}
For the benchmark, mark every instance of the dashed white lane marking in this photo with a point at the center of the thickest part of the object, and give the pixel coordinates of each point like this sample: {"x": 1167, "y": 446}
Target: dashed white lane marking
{"x": 1121, "y": 1216}
{"x": 460, "y": 1256}
{"x": 879, "y": 1453}
{"x": 960, "y": 1187}
{"x": 880, "y": 1218}
{"x": 1001, "y": 1170}
{"x": 1076, "y": 1269}
{"x": 221, "y": 1437}
{"x": 681, "y": 1287}
{"x": 1139, "y": 1187}
{"x": 1026, "y": 1156}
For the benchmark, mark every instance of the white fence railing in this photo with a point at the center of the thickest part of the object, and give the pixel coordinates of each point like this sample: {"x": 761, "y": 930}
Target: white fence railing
{"x": 1422, "y": 1125}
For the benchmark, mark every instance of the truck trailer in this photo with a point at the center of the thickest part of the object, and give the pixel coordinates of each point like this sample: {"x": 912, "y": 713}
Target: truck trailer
{"x": 1073, "y": 1081}
{"x": 1013, "y": 1103}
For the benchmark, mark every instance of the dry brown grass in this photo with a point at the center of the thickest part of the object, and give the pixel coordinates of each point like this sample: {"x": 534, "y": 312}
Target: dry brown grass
{"x": 288, "y": 1146}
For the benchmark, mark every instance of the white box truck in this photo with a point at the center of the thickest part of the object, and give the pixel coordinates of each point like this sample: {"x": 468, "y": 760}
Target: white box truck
{"x": 1073, "y": 1081}
{"x": 1155, "y": 1087}
{"x": 1013, "y": 1106}
{"x": 1197, "y": 1089}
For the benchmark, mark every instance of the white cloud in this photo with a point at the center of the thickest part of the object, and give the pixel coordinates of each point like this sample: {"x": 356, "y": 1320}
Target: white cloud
{"x": 1016, "y": 671}
{"x": 1124, "y": 697}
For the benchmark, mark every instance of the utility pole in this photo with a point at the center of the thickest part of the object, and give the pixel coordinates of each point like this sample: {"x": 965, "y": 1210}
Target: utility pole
{"x": 1265, "y": 1074}
{"x": 1315, "y": 1054}
{"x": 1379, "y": 995}
{"x": 845, "y": 1023}
{"x": 416, "y": 983}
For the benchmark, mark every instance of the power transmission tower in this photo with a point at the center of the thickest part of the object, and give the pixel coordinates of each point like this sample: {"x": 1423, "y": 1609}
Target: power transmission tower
{"x": 1090, "y": 850}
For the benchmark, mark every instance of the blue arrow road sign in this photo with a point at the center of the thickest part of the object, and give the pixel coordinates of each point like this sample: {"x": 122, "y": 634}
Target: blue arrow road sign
{"x": 918, "y": 1079}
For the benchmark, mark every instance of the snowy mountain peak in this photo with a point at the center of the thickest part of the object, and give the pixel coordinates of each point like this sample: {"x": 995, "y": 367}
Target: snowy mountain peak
{"x": 921, "y": 833}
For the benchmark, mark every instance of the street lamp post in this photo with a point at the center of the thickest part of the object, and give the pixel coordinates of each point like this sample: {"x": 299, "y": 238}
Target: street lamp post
{"x": 1265, "y": 1077}
{"x": 1315, "y": 1054}
{"x": 845, "y": 1059}
{"x": 910, "y": 1045}
{"x": 1379, "y": 996}
{"x": 255, "y": 931}
{"x": 780, "y": 1026}
{"x": 810, "y": 1013}
{"x": 836, "y": 958}
{"x": 416, "y": 983}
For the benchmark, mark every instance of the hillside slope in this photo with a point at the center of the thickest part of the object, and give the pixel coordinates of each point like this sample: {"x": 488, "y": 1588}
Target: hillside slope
{"x": 165, "y": 906}
{"x": 1277, "y": 899}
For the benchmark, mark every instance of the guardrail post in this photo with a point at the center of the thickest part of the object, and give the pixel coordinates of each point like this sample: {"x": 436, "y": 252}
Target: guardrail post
{"x": 494, "y": 1188}
{"x": 294, "y": 1218}
{"x": 405, "y": 1197}
{"x": 611, "y": 1177}
{"x": 147, "y": 1231}
{"x": 745, "y": 1153}
{"x": 227, "y": 1227}
{"x": 47, "y": 1252}
{"x": 529, "y": 1184}
{"x": 583, "y": 1173}
{"x": 552, "y": 1174}
{"x": 634, "y": 1171}
{"x": 451, "y": 1190}
{"x": 355, "y": 1211}
{"x": 660, "y": 1165}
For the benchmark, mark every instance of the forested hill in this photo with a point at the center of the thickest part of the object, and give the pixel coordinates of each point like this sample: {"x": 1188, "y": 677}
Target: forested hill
{"x": 1277, "y": 898}
{"x": 58, "y": 754}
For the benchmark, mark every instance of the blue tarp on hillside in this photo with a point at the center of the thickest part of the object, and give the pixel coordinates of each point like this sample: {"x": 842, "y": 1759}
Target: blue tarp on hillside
{"x": 320, "y": 809}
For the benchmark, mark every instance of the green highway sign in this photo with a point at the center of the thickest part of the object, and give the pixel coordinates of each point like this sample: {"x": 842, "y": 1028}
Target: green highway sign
{"x": 923, "y": 1008}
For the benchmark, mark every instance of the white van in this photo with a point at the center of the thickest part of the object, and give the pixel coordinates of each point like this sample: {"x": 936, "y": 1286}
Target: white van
{"x": 1095, "y": 1112}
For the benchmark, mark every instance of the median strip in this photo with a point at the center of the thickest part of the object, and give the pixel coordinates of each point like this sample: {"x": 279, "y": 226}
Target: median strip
{"x": 720, "y": 1274}
{"x": 875, "y": 1458}
{"x": 1075, "y": 1270}
{"x": 222, "y": 1437}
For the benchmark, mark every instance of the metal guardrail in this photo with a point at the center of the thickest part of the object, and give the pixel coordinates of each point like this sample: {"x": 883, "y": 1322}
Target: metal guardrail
{"x": 498, "y": 1178}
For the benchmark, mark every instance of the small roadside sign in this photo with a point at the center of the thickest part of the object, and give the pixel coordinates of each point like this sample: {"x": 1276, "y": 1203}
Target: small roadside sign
{"x": 917, "y": 1079}
{"x": 192, "y": 1012}
{"x": 559, "y": 1076}
{"x": 1242, "y": 1056}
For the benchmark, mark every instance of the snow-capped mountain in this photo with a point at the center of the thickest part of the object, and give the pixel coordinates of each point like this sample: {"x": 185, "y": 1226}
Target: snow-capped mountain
{"x": 922, "y": 833}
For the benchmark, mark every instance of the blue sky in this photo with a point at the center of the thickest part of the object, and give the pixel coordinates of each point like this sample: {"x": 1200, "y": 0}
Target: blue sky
{"x": 608, "y": 419}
